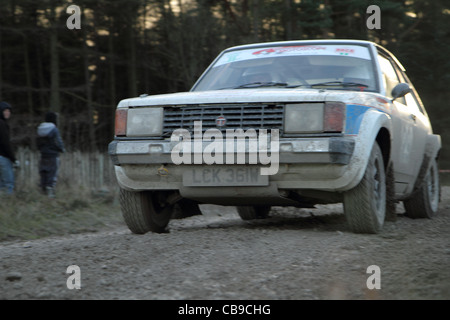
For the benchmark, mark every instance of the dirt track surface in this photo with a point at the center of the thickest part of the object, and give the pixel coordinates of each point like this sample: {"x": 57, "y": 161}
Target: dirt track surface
{"x": 292, "y": 255}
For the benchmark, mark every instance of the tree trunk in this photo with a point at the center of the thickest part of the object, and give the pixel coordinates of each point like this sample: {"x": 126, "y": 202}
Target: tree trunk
{"x": 28, "y": 76}
{"x": 54, "y": 71}
{"x": 256, "y": 20}
{"x": 87, "y": 80}
{"x": 288, "y": 17}
{"x": 112, "y": 74}
{"x": 132, "y": 60}
{"x": 43, "y": 97}
{"x": 1, "y": 73}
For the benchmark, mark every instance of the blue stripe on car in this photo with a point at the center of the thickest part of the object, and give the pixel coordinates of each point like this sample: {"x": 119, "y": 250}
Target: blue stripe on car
{"x": 354, "y": 115}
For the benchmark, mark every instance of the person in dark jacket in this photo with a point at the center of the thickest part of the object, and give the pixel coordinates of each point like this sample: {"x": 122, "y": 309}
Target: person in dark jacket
{"x": 7, "y": 157}
{"x": 50, "y": 145}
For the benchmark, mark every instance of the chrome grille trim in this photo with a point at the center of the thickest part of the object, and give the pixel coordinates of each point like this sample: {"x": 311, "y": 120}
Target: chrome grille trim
{"x": 244, "y": 115}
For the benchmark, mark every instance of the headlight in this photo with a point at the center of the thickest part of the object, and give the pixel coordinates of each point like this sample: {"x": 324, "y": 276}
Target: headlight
{"x": 314, "y": 117}
{"x": 144, "y": 122}
{"x": 303, "y": 118}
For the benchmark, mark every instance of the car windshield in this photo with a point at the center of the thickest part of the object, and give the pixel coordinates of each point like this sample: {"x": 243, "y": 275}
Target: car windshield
{"x": 337, "y": 67}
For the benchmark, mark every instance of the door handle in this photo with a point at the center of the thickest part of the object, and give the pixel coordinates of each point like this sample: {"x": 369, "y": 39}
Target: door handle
{"x": 413, "y": 117}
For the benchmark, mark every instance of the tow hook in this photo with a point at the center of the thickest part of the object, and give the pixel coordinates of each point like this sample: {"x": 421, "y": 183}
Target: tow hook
{"x": 162, "y": 171}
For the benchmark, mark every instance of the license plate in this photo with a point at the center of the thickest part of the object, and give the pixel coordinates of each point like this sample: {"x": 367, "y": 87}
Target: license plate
{"x": 223, "y": 177}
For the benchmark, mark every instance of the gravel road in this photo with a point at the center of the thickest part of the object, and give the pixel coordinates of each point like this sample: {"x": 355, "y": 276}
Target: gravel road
{"x": 296, "y": 254}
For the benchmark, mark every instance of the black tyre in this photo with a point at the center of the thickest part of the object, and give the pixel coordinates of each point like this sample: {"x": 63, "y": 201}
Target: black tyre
{"x": 425, "y": 202}
{"x": 253, "y": 212}
{"x": 391, "y": 203}
{"x": 365, "y": 205}
{"x": 145, "y": 211}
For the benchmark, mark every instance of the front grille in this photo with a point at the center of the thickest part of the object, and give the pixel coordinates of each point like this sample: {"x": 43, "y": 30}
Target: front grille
{"x": 245, "y": 116}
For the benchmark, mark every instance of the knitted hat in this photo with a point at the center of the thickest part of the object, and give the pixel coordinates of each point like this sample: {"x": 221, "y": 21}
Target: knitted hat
{"x": 51, "y": 117}
{"x": 4, "y": 105}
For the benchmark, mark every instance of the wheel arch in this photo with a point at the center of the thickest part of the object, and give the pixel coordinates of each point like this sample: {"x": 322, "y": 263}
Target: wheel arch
{"x": 375, "y": 128}
{"x": 384, "y": 141}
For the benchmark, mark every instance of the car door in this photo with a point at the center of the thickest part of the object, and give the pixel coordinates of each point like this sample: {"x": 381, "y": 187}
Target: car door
{"x": 403, "y": 122}
{"x": 421, "y": 128}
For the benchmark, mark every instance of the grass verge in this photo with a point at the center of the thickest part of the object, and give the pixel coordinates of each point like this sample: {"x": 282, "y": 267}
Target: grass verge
{"x": 31, "y": 215}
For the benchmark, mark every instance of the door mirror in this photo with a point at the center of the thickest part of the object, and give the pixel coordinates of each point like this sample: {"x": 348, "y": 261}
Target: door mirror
{"x": 400, "y": 90}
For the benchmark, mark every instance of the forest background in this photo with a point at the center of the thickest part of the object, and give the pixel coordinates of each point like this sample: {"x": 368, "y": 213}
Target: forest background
{"x": 128, "y": 47}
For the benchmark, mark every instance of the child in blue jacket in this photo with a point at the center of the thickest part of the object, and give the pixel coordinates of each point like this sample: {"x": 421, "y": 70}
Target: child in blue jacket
{"x": 50, "y": 145}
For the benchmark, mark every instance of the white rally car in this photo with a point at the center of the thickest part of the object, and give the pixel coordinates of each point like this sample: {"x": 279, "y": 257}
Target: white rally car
{"x": 294, "y": 123}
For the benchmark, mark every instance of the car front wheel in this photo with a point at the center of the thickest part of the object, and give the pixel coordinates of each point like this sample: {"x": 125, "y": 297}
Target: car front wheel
{"x": 365, "y": 205}
{"x": 145, "y": 211}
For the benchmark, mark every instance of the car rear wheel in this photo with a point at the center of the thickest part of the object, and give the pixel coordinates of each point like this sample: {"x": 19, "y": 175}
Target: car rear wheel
{"x": 425, "y": 202}
{"x": 365, "y": 205}
{"x": 253, "y": 212}
{"x": 145, "y": 211}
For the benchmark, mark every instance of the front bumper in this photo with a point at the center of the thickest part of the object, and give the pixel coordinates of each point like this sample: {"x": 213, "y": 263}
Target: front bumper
{"x": 333, "y": 150}
{"x": 322, "y": 163}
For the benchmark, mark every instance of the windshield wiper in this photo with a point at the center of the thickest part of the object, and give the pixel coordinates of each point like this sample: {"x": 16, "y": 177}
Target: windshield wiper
{"x": 261, "y": 84}
{"x": 339, "y": 83}
{"x": 297, "y": 86}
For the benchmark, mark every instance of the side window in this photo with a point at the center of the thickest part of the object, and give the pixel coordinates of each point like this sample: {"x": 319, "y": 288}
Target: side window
{"x": 390, "y": 77}
{"x": 412, "y": 99}
{"x": 411, "y": 102}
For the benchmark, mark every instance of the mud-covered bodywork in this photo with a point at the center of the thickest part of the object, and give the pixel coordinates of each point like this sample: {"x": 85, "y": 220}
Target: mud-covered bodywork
{"x": 288, "y": 123}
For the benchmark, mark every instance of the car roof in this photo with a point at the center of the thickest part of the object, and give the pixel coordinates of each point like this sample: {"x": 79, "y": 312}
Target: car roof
{"x": 302, "y": 42}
